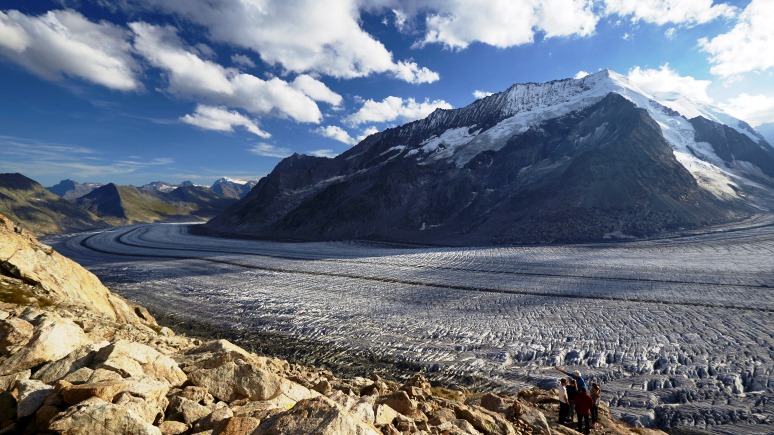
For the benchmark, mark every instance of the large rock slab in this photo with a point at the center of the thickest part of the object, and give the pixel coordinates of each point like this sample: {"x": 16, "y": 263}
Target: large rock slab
{"x": 238, "y": 380}
{"x": 14, "y": 333}
{"x": 54, "y": 338}
{"x": 138, "y": 360}
{"x": 79, "y": 358}
{"x": 31, "y": 395}
{"x": 96, "y": 416}
{"x": 318, "y": 415}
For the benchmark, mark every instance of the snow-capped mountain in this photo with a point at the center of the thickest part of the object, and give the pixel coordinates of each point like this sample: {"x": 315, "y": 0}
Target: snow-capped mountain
{"x": 159, "y": 186}
{"x": 574, "y": 159}
{"x": 233, "y": 188}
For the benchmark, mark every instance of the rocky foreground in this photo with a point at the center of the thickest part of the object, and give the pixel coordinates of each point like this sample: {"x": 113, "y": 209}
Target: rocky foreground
{"x": 75, "y": 358}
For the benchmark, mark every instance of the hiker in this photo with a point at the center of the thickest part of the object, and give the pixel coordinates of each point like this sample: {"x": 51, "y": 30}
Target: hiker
{"x": 564, "y": 406}
{"x": 583, "y": 404}
{"x": 572, "y": 393}
{"x": 595, "y": 393}
{"x": 574, "y": 375}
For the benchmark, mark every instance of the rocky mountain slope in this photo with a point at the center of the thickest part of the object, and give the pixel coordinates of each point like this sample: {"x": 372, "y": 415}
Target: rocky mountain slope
{"x": 121, "y": 205}
{"x": 231, "y": 188}
{"x": 569, "y": 160}
{"x": 70, "y": 190}
{"x": 42, "y": 212}
{"x": 75, "y": 358}
{"x": 767, "y": 131}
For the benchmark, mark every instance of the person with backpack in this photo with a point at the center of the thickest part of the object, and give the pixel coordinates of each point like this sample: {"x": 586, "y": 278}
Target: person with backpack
{"x": 583, "y": 404}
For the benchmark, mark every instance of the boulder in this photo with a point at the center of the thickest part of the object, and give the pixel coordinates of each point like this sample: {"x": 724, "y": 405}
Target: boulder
{"x": 187, "y": 411}
{"x": 53, "y": 339}
{"x": 75, "y": 394}
{"x": 484, "y": 421}
{"x": 173, "y": 427}
{"x": 79, "y": 358}
{"x": 14, "y": 333}
{"x": 31, "y": 394}
{"x": 318, "y": 415}
{"x": 7, "y": 382}
{"x": 214, "y": 354}
{"x": 216, "y": 418}
{"x": 236, "y": 380}
{"x": 384, "y": 414}
{"x": 134, "y": 359}
{"x": 237, "y": 426}
{"x": 99, "y": 417}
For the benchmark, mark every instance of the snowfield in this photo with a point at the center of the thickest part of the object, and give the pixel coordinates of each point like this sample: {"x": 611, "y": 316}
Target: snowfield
{"x": 678, "y": 331}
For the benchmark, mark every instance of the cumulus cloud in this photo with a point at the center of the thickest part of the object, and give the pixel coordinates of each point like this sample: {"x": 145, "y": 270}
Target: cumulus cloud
{"x": 316, "y": 89}
{"x": 336, "y": 133}
{"x": 367, "y": 132}
{"x": 191, "y": 77}
{"x": 242, "y": 60}
{"x": 581, "y": 74}
{"x": 324, "y": 153}
{"x": 395, "y": 108}
{"x": 481, "y": 94}
{"x": 753, "y": 109}
{"x": 222, "y": 119}
{"x": 64, "y": 43}
{"x": 665, "y": 83}
{"x": 300, "y": 36}
{"x": 505, "y": 23}
{"x": 269, "y": 150}
{"x": 685, "y": 12}
{"x": 749, "y": 46}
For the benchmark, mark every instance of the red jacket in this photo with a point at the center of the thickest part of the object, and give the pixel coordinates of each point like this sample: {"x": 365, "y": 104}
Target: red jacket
{"x": 583, "y": 403}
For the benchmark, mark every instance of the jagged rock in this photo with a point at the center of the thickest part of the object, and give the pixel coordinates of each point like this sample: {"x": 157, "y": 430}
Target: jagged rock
{"x": 197, "y": 394}
{"x": 172, "y": 427}
{"x": 530, "y": 416}
{"x": 323, "y": 387}
{"x": 236, "y": 380}
{"x": 7, "y": 382}
{"x": 14, "y": 333}
{"x": 384, "y": 414}
{"x": 215, "y": 354}
{"x": 484, "y": 421}
{"x": 187, "y": 411}
{"x": 318, "y": 415}
{"x": 215, "y": 419}
{"x": 7, "y": 406}
{"x": 54, "y": 338}
{"x": 418, "y": 387}
{"x": 238, "y": 426}
{"x": 80, "y": 376}
{"x": 492, "y": 402}
{"x": 80, "y": 358}
{"x": 97, "y": 416}
{"x": 102, "y": 375}
{"x": 457, "y": 427}
{"x": 364, "y": 410}
{"x": 134, "y": 359}
{"x": 401, "y": 402}
{"x": 75, "y": 394}
{"x": 31, "y": 395}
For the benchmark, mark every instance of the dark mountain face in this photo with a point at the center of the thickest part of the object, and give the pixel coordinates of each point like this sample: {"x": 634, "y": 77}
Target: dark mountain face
{"x": 600, "y": 170}
{"x": 71, "y": 190}
{"x": 232, "y": 189}
{"x": 201, "y": 201}
{"x": 104, "y": 202}
{"x": 730, "y": 145}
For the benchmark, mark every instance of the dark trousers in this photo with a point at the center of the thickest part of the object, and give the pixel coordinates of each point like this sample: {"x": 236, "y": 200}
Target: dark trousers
{"x": 594, "y": 414}
{"x": 583, "y": 418}
{"x": 564, "y": 411}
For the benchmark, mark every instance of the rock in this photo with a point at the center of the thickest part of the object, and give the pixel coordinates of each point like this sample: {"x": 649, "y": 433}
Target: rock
{"x": 238, "y": 426}
{"x": 531, "y": 416}
{"x": 75, "y": 394}
{"x": 492, "y": 402}
{"x": 146, "y": 396}
{"x": 236, "y": 380}
{"x": 187, "y": 411}
{"x": 484, "y": 421}
{"x": 31, "y": 395}
{"x": 172, "y": 427}
{"x": 318, "y": 415}
{"x": 99, "y": 417}
{"x": 146, "y": 410}
{"x": 401, "y": 402}
{"x": 14, "y": 333}
{"x": 134, "y": 359}
{"x": 101, "y": 375}
{"x": 418, "y": 386}
{"x": 53, "y": 339}
{"x": 197, "y": 394}
{"x": 214, "y": 419}
{"x": 215, "y": 354}
{"x": 7, "y": 406}
{"x": 384, "y": 414}
{"x": 7, "y": 382}
{"x": 81, "y": 357}
{"x": 80, "y": 376}
{"x": 323, "y": 387}
{"x": 364, "y": 410}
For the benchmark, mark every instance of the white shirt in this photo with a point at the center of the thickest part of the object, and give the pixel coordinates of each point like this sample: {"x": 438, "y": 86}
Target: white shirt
{"x": 562, "y": 394}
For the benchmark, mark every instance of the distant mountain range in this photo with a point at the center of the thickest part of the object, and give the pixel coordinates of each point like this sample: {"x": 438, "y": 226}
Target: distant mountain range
{"x": 231, "y": 188}
{"x": 85, "y": 206}
{"x": 568, "y": 160}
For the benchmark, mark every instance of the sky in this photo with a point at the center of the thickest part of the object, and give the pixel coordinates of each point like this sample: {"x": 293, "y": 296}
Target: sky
{"x": 134, "y": 91}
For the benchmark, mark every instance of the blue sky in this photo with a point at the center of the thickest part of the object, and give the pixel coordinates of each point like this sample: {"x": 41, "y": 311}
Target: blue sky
{"x": 133, "y": 91}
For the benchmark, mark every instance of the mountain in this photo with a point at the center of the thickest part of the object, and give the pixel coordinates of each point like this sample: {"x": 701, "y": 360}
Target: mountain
{"x": 231, "y": 188}
{"x": 40, "y": 211}
{"x": 767, "y": 131}
{"x": 158, "y": 186}
{"x": 121, "y": 205}
{"x": 568, "y": 160}
{"x": 70, "y": 190}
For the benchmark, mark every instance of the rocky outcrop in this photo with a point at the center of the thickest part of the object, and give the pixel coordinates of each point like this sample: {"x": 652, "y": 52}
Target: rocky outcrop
{"x": 71, "y": 367}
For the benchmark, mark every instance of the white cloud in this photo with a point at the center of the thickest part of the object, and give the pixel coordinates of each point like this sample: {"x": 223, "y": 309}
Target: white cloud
{"x": 316, "y": 89}
{"x": 753, "y": 109}
{"x": 505, "y": 23}
{"x": 393, "y": 108}
{"x": 64, "y": 43}
{"x": 222, "y": 119}
{"x": 336, "y": 133}
{"x": 748, "y": 47}
{"x": 665, "y": 83}
{"x": 324, "y": 153}
{"x": 300, "y": 36}
{"x": 191, "y": 77}
{"x": 581, "y": 74}
{"x": 481, "y": 94}
{"x": 367, "y": 132}
{"x": 268, "y": 150}
{"x": 687, "y": 12}
{"x": 670, "y": 33}
{"x": 242, "y": 60}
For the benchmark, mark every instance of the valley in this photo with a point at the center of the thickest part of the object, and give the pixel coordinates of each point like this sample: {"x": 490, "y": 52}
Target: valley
{"x": 659, "y": 323}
